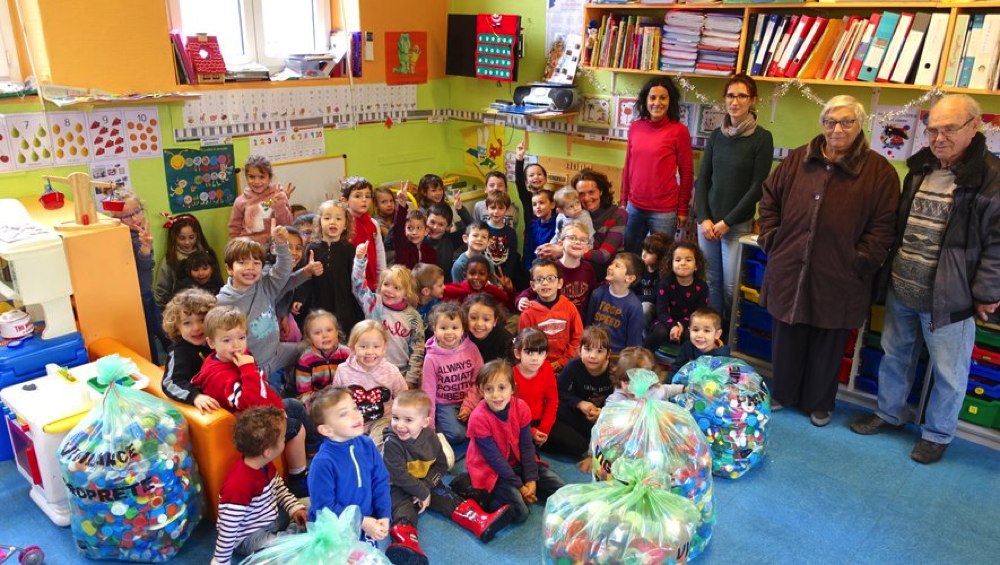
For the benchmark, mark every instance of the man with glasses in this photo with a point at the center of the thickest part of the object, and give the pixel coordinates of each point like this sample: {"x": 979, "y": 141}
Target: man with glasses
{"x": 944, "y": 270}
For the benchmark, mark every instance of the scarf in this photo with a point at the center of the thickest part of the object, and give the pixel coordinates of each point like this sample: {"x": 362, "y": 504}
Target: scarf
{"x": 742, "y": 129}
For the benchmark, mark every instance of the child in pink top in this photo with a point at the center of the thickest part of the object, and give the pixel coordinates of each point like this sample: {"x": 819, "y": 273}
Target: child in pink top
{"x": 451, "y": 362}
{"x": 260, "y": 202}
{"x": 374, "y": 382}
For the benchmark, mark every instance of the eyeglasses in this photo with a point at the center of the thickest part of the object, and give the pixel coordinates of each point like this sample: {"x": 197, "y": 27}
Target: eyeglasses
{"x": 845, "y": 123}
{"x": 741, "y": 97}
{"x": 574, "y": 239}
{"x": 947, "y": 131}
{"x": 132, "y": 214}
{"x": 545, "y": 279}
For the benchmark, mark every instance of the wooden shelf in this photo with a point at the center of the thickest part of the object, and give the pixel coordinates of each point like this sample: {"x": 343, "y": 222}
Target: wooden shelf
{"x": 749, "y": 10}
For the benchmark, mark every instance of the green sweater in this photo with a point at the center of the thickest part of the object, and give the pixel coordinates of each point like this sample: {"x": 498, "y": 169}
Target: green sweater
{"x": 732, "y": 170}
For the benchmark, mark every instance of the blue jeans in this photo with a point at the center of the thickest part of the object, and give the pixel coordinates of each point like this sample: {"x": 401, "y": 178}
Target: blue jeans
{"x": 950, "y": 349}
{"x": 446, "y": 422}
{"x": 641, "y": 223}
{"x": 721, "y": 263}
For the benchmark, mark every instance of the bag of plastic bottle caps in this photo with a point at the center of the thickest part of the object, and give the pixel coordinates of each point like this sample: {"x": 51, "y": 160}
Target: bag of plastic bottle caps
{"x": 633, "y": 519}
{"x": 135, "y": 493}
{"x": 330, "y": 539}
{"x": 731, "y": 405}
{"x": 666, "y": 437}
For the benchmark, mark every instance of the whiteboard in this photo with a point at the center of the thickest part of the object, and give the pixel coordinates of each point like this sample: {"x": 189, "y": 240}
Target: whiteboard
{"x": 313, "y": 179}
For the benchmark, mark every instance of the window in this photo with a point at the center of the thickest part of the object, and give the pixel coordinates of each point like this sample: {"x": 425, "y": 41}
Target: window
{"x": 9, "y": 68}
{"x": 262, "y": 31}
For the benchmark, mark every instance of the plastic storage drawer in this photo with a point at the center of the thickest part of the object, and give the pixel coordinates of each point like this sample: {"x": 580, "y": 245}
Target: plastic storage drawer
{"x": 751, "y": 294}
{"x": 985, "y": 355}
{"x": 981, "y": 412}
{"x": 844, "y": 374}
{"x": 982, "y": 388}
{"x": 755, "y": 317}
{"x": 987, "y": 337}
{"x": 753, "y": 273}
{"x": 757, "y": 254}
{"x": 753, "y": 343}
{"x": 877, "y": 318}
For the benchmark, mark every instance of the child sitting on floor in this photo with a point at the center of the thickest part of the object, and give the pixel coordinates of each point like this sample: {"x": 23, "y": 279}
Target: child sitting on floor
{"x": 536, "y": 382}
{"x": 449, "y": 372}
{"x": 409, "y": 229}
{"x": 477, "y": 279}
{"x": 348, "y": 468}
{"x": 579, "y": 280}
{"x": 487, "y": 319}
{"x": 553, "y": 314}
{"x": 318, "y": 364}
{"x": 501, "y": 459}
{"x": 705, "y": 338}
{"x": 476, "y": 238}
{"x": 199, "y": 270}
{"x": 184, "y": 324}
{"x": 230, "y": 376}
{"x": 416, "y": 465}
{"x": 440, "y": 235}
{"x": 654, "y": 251}
{"x": 252, "y": 490}
{"x": 495, "y": 182}
{"x": 638, "y": 358}
{"x": 615, "y": 307}
{"x": 430, "y": 290}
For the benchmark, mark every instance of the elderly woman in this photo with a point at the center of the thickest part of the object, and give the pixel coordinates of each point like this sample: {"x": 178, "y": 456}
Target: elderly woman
{"x": 827, "y": 220}
{"x": 736, "y": 161}
{"x": 658, "y": 150}
{"x": 609, "y": 220}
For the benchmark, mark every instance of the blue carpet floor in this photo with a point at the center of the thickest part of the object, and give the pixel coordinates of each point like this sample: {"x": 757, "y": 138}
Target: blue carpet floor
{"x": 822, "y": 496}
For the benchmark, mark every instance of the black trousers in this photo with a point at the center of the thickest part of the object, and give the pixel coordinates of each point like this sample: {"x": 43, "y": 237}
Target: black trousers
{"x": 805, "y": 362}
{"x": 569, "y": 435}
{"x": 404, "y": 509}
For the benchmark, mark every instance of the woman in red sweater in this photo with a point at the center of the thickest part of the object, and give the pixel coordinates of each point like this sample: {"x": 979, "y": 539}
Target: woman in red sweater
{"x": 659, "y": 147}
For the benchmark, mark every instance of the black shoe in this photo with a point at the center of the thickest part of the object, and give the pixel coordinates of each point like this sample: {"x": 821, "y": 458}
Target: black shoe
{"x": 928, "y": 452}
{"x": 872, "y": 424}
{"x": 820, "y": 418}
{"x": 298, "y": 485}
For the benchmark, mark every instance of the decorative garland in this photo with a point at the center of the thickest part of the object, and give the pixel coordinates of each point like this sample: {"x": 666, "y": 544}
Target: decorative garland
{"x": 782, "y": 90}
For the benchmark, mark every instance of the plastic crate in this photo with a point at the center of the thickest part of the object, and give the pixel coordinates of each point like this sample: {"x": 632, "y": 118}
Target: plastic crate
{"x": 982, "y": 388}
{"x": 981, "y": 412}
{"x": 755, "y": 317}
{"x": 987, "y": 337}
{"x": 852, "y": 340}
{"x": 985, "y": 372}
{"x": 870, "y": 361}
{"x": 751, "y": 294}
{"x": 872, "y": 340}
{"x": 867, "y": 384}
{"x": 757, "y": 254}
{"x": 844, "y": 374}
{"x": 754, "y": 344}
{"x": 876, "y": 320}
{"x": 753, "y": 273}
{"x": 986, "y": 355}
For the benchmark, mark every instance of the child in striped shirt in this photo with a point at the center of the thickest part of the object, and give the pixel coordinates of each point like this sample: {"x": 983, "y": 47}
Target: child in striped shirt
{"x": 253, "y": 489}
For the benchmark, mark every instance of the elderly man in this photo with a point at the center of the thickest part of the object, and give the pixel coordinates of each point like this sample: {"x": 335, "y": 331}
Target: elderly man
{"x": 943, "y": 271}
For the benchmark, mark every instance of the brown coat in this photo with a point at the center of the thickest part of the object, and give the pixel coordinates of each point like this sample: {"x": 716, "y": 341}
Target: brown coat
{"x": 827, "y": 228}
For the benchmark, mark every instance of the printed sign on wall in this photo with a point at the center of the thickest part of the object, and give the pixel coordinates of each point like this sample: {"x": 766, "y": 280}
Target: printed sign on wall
{"x": 199, "y": 179}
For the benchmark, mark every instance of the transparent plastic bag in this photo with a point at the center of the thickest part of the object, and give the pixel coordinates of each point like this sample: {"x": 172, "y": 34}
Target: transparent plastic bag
{"x": 330, "y": 539}
{"x": 666, "y": 437}
{"x": 732, "y": 407}
{"x": 634, "y": 519}
{"x": 135, "y": 493}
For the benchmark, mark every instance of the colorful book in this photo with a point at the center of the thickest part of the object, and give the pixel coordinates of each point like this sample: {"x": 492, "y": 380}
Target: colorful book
{"x": 858, "y": 59}
{"x": 880, "y": 43}
{"x": 821, "y": 54}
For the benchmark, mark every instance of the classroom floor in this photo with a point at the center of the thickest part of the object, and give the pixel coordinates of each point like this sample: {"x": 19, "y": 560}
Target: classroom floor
{"x": 822, "y": 496}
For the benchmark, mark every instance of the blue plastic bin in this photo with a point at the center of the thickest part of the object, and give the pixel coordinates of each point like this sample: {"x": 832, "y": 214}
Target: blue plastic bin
{"x": 754, "y": 344}
{"x": 753, "y": 273}
{"x": 27, "y": 361}
{"x": 755, "y": 317}
{"x": 757, "y": 254}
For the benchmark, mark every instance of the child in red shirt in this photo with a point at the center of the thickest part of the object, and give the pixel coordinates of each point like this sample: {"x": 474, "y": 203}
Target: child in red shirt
{"x": 536, "y": 382}
{"x": 553, "y": 313}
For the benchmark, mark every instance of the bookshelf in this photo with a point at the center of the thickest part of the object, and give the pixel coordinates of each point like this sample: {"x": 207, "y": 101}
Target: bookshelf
{"x": 946, "y": 11}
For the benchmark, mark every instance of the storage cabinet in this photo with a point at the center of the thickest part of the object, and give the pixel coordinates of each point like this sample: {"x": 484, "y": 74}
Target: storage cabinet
{"x": 947, "y": 12}
{"x": 979, "y": 419}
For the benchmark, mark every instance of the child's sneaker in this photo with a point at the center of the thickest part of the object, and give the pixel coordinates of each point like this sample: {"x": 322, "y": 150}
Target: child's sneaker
{"x": 298, "y": 484}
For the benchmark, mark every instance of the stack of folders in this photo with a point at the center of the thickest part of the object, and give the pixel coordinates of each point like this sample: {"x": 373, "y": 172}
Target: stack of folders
{"x": 897, "y": 47}
{"x": 974, "y": 58}
{"x": 720, "y": 43}
{"x": 681, "y": 37}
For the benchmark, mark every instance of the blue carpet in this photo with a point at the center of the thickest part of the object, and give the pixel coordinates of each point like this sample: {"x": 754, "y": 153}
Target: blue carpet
{"x": 822, "y": 496}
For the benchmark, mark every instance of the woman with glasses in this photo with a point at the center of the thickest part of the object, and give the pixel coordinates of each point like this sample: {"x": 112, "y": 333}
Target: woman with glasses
{"x": 827, "y": 220}
{"x": 736, "y": 161}
{"x": 658, "y": 150}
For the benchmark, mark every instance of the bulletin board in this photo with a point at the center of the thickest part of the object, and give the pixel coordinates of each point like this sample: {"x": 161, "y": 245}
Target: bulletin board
{"x": 314, "y": 179}
{"x": 200, "y": 179}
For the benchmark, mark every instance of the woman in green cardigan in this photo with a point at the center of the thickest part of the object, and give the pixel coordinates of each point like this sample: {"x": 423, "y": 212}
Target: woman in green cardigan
{"x": 736, "y": 161}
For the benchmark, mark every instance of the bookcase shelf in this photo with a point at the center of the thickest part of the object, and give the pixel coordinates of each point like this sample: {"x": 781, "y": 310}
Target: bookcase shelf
{"x": 953, "y": 8}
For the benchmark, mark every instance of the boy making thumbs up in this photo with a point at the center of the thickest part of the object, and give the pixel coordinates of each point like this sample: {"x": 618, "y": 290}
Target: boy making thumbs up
{"x": 256, "y": 293}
